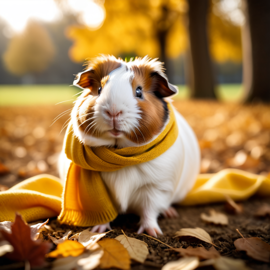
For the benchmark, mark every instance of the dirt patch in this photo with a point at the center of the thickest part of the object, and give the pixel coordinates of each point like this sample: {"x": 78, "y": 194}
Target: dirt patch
{"x": 229, "y": 136}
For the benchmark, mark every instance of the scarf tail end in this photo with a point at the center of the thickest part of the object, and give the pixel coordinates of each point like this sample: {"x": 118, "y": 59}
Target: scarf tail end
{"x": 86, "y": 219}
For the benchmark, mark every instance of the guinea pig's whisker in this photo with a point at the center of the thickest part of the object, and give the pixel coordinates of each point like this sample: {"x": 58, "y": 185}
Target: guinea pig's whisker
{"x": 64, "y": 101}
{"x": 90, "y": 126}
{"x": 60, "y": 115}
{"x": 65, "y": 124}
{"x": 78, "y": 93}
{"x": 135, "y": 135}
{"x": 86, "y": 114}
{"x": 86, "y": 121}
{"x": 141, "y": 133}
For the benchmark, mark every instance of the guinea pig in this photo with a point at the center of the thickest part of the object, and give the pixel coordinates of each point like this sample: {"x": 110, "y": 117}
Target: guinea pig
{"x": 124, "y": 104}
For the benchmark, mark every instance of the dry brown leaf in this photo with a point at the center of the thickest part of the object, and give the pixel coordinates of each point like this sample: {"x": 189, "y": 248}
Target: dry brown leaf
{"x": 67, "y": 248}
{"x": 61, "y": 240}
{"x": 5, "y": 247}
{"x": 200, "y": 252}
{"x": 90, "y": 239}
{"x": 254, "y": 247}
{"x": 224, "y": 263}
{"x": 263, "y": 211}
{"x": 115, "y": 254}
{"x": 37, "y": 228}
{"x": 86, "y": 261}
{"x": 137, "y": 249}
{"x": 215, "y": 217}
{"x": 25, "y": 248}
{"x": 197, "y": 233}
{"x": 75, "y": 237}
{"x": 188, "y": 263}
{"x": 232, "y": 207}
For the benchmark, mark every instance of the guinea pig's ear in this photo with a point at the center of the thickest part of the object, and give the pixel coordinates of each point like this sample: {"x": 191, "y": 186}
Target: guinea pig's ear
{"x": 85, "y": 80}
{"x": 97, "y": 69}
{"x": 162, "y": 86}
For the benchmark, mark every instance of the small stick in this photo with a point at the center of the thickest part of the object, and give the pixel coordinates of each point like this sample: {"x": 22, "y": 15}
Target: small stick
{"x": 240, "y": 233}
{"x": 157, "y": 240}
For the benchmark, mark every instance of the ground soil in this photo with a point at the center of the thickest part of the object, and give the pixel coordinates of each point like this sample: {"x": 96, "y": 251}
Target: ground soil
{"x": 230, "y": 135}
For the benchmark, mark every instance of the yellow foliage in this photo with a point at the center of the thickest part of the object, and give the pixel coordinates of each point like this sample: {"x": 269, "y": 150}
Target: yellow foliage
{"x": 29, "y": 52}
{"x": 67, "y": 248}
{"x": 134, "y": 27}
{"x": 130, "y": 27}
{"x": 115, "y": 254}
{"x": 224, "y": 39}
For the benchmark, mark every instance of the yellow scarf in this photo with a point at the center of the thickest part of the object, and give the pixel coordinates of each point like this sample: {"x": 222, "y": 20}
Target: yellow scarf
{"x": 85, "y": 200}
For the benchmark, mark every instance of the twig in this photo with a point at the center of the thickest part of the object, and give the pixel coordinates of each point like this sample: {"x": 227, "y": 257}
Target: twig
{"x": 240, "y": 233}
{"x": 156, "y": 240}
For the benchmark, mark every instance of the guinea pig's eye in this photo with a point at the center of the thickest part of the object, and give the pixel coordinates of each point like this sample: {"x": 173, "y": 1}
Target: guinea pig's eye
{"x": 139, "y": 92}
{"x": 99, "y": 90}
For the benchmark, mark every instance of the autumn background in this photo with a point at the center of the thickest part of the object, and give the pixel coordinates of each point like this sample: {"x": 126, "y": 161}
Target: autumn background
{"x": 216, "y": 51}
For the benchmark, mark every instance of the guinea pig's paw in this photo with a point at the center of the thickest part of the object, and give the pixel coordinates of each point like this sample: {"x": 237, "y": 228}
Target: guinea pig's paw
{"x": 170, "y": 213}
{"x": 151, "y": 230}
{"x": 101, "y": 228}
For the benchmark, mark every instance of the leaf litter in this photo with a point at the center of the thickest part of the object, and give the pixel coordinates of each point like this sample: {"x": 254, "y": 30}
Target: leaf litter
{"x": 215, "y": 217}
{"x": 237, "y": 140}
{"x": 254, "y": 247}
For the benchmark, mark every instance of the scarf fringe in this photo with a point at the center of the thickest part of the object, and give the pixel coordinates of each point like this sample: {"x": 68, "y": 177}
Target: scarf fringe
{"x": 85, "y": 219}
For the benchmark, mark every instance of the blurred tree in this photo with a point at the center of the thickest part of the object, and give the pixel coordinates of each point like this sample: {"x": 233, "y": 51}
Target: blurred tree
{"x": 224, "y": 35}
{"x": 29, "y": 52}
{"x": 200, "y": 70}
{"x": 256, "y": 44}
{"x": 156, "y": 28}
{"x": 143, "y": 27}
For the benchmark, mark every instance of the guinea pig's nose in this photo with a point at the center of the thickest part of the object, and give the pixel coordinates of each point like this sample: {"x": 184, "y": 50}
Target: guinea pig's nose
{"x": 113, "y": 114}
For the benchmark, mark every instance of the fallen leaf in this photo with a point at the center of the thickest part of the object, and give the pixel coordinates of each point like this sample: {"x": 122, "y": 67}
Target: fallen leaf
{"x": 90, "y": 239}
{"x": 254, "y": 247}
{"x": 36, "y": 229}
{"x": 224, "y": 263}
{"x": 263, "y": 211}
{"x": 115, "y": 254}
{"x": 232, "y": 207}
{"x": 91, "y": 261}
{"x": 5, "y": 247}
{"x": 86, "y": 261}
{"x": 75, "y": 237}
{"x": 67, "y": 248}
{"x": 215, "y": 217}
{"x": 188, "y": 263}
{"x": 197, "y": 233}
{"x": 5, "y": 226}
{"x": 137, "y": 249}
{"x": 25, "y": 248}
{"x": 200, "y": 252}
{"x": 61, "y": 240}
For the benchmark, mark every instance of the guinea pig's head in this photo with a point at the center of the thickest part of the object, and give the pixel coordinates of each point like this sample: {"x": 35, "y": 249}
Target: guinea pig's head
{"x": 122, "y": 103}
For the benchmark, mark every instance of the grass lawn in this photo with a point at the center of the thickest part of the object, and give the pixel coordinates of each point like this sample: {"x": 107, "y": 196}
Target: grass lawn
{"x": 13, "y": 95}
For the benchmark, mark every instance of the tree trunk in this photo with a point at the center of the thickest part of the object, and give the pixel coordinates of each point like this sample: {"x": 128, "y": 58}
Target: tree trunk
{"x": 199, "y": 67}
{"x": 256, "y": 51}
{"x": 162, "y": 35}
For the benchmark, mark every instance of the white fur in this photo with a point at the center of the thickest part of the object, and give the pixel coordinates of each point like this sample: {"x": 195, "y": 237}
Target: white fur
{"x": 146, "y": 189}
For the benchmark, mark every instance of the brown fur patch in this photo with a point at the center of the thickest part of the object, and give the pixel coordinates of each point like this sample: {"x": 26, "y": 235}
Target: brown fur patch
{"x": 99, "y": 67}
{"x": 97, "y": 76}
{"x": 152, "y": 110}
{"x": 104, "y": 80}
